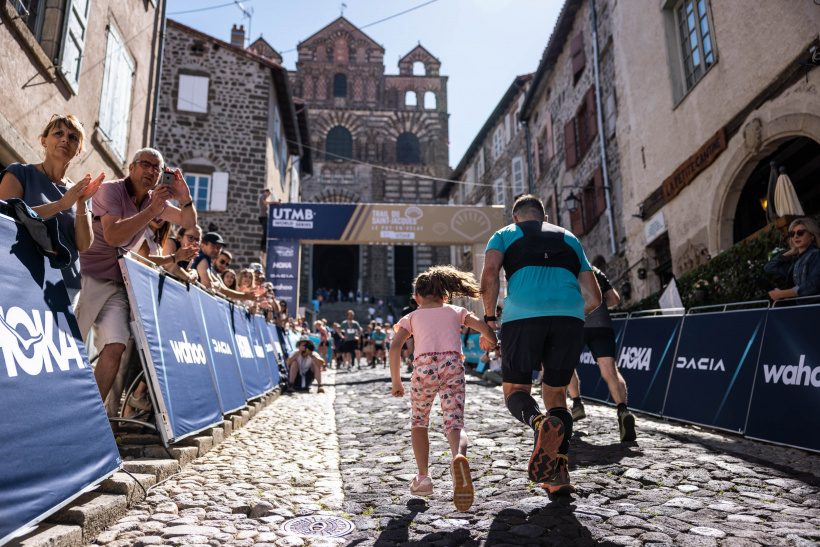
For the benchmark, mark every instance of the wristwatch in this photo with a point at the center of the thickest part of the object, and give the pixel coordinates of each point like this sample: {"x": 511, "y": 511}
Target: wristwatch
{"x": 488, "y": 318}
{"x": 189, "y": 204}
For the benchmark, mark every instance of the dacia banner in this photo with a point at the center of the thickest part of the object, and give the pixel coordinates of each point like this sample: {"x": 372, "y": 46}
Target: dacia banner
{"x": 645, "y": 359}
{"x": 56, "y": 441}
{"x": 212, "y": 315}
{"x": 173, "y": 353}
{"x": 382, "y": 223}
{"x": 786, "y": 396}
{"x": 260, "y": 327}
{"x": 593, "y": 385}
{"x": 254, "y": 372}
{"x": 283, "y": 270}
{"x": 716, "y": 359}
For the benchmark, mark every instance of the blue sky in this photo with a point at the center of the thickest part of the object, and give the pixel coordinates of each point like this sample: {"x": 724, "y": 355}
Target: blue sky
{"x": 482, "y": 44}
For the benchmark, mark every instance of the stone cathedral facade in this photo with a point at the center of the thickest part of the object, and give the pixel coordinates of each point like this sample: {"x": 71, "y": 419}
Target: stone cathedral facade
{"x": 374, "y": 136}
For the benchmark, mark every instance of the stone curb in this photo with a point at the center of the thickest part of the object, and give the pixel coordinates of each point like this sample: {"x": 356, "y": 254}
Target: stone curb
{"x": 80, "y": 522}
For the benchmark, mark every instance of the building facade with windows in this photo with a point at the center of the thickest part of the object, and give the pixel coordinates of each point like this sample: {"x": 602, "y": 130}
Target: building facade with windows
{"x": 94, "y": 59}
{"x": 376, "y": 138}
{"x": 227, "y": 118}
{"x": 710, "y": 93}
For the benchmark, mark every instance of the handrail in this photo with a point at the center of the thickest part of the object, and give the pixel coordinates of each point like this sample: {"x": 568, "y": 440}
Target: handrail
{"x": 815, "y": 298}
{"x": 725, "y": 307}
{"x": 619, "y": 315}
{"x": 661, "y": 311}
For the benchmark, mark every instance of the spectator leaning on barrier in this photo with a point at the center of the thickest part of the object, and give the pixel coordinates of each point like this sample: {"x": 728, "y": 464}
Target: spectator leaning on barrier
{"x": 185, "y": 239}
{"x": 229, "y": 279}
{"x": 122, "y": 210}
{"x": 222, "y": 262}
{"x": 151, "y": 247}
{"x": 45, "y": 188}
{"x": 209, "y": 252}
{"x": 800, "y": 264}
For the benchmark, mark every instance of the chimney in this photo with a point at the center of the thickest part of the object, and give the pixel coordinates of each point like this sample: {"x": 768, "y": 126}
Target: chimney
{"x": 238, "y": 36}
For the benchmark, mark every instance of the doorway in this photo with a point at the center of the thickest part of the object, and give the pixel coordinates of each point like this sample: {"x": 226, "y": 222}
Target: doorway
{"x": 403, "y": 269}
{"x": 336, "y": 267}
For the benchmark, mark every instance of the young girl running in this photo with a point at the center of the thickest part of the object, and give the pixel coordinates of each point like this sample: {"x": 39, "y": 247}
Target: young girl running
{"x": 438, "y": 368}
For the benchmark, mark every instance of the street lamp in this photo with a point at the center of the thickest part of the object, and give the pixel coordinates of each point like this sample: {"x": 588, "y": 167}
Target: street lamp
{"x": 571, "y": 202}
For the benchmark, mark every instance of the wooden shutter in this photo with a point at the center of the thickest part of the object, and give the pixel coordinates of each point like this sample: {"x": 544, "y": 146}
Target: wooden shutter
{"x": 576, "y": 49}
{"x": 592, "y": 114}
{"x": 75, "y": 25}
{"x": 219, "y": 191}
{"x": 569, "y": 144}
{"x": 600, "y": 191}
{"x": 576, "y": 222}
{"x": 115, "y": 98}
{"x": 550, "y": 148}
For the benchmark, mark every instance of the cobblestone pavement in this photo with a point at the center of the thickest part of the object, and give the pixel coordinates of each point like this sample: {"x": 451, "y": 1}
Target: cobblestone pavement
{"x": 677, "y": 485}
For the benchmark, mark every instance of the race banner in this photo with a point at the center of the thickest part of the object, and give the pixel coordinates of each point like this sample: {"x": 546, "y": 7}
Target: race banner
{"x": 716, "y": 358}
{"x": 283, "y": 271}
{"x": 645, "y": 359}
{"x": 787, "y": 379}
{"x": 382, "y": 223}
{"x": 216, "y": 333}
{"x": 256, "y": 379}
{"x": 260, "y": 327}
{"x": 172, "y": 351}
{"x": 56, "y": 441}
{"x": 593, "y": 385}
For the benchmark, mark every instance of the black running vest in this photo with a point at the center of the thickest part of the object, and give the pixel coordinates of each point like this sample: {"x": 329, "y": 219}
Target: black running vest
{"x": 541, "y": 245}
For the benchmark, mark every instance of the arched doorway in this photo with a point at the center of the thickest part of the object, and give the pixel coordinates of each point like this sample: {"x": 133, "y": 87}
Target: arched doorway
{"x": 801, "y": 158}
{"x": 336, "y": 267}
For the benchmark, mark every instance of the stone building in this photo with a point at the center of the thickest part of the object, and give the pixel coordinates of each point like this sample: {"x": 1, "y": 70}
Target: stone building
{"x": 732, "y": 89}
{"x": 376, "y": 138}
{"x": 227, "y": 118}
{"x": 98, "y": 64}
{"x": 570, "y": 113}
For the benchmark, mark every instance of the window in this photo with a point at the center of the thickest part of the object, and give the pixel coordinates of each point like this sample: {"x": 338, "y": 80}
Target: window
{"x": 200, "y": 186}
{"x": 277, "y": 128}
{"x": 429, "y": 100}
{"x": 498, "y": 142}
{"x": 410, "y": 99}
{"x": 578, "y": 59}
{"x": 340, "y": 85}
{"x": 587, "y": 122}
{"x": 193, "y": 93}
{"x": 518, "y": 176}
{"x": 549, "y": 145}
{"x": 695, "y": 39}
{"x": 419, "y": 69}
{"x": 339, "y": 144}
{"x": 570, "y": 146}
{"x": 479, "y": 168}
{"x": 407, "y": 148}
{"x": 115, "y": 100}
{"x": 507, "y": 133}
{"x": 498, "y": 190}
{"x": 594, "y": 199}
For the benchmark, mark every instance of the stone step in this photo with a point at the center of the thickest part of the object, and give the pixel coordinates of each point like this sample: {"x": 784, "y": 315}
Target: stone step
{"x": 92, "y": 511}
{"x": 125, "y": 484}
{"x": 51, "y": 535}
{"x": 160, "y": 469}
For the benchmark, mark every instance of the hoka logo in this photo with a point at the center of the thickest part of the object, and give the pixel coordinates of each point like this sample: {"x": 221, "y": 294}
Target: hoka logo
{"x": 587, "y": 358}
{"x": 260, "y": 351}
{"x": 638, "y": 358}
{"x": 703, "y": 363}
{"x": 792, "y": 375}
{"x": 33, "y": 342}
{"x": 244, "y": 347}
{"x": 186, "y": 352}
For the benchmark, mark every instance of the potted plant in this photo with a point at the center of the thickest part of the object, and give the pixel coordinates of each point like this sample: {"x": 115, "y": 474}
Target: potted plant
{"x": 701, "y": 287}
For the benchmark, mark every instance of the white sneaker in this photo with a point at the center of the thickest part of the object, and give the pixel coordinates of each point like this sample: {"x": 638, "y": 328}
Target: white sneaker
{"x": 423, "y": 487}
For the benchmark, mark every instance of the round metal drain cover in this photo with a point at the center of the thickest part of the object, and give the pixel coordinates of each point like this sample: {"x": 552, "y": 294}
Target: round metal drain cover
{"x": 318, "y": 525}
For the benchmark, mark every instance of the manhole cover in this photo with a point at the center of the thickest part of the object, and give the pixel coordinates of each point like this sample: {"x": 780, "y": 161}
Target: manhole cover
{"x": 318, "y": 526}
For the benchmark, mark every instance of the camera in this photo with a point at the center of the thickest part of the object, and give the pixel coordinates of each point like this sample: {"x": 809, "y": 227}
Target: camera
{"x": 167, "y": 178}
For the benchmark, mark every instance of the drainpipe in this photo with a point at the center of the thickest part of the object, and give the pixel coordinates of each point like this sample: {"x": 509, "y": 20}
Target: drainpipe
{"x": 155, "y": 108}
{"x": 526, "y": 124}
{"x": 604, "y": 168}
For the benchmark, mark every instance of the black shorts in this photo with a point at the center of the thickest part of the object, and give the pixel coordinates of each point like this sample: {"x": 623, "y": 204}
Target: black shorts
{"x": 552, "y": 342}
{"x": 601, "y": 341}
{"x": 350, "y": 346}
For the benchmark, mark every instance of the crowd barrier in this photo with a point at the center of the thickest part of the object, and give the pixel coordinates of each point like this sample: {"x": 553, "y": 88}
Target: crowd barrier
{"x": 733, "y": 369}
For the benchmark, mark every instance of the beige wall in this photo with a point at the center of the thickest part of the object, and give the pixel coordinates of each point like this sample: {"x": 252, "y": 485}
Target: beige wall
{"x": 655, "y": 135}
{"x": 32, "y": 93}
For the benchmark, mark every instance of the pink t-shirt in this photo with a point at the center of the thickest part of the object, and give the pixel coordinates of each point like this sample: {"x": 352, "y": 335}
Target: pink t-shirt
{"x": 112, "y": 198}
{"x": 435, "y": 330}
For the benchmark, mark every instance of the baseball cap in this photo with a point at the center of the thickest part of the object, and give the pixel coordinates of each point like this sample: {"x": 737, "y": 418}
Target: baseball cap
{"x": 257, "y": 267}
{"x": 212, "y": 237}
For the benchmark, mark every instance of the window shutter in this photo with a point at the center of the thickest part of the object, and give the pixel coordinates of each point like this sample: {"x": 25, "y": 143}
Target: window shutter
{"x": 550, "y": 149}
{"x": 518, "y": 176}
{"x": 569, "y": 144}
{"x": 71, "y": 52}
{"x": 507, "y": 131}
{"x": 576, "y": 222}
{"x": 115, "y": 99}
{"x": 600, "y": 191}
{"x": 592, "y": 114}
{"x": 576, "y": 49}
{"x": 219, "y": 191}
{"x": 590, "y": 214}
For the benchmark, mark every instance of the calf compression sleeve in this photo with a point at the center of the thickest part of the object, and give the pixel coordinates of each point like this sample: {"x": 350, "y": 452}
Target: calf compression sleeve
{"x": 523, "y": 407}
{"x": 566, "y": 418}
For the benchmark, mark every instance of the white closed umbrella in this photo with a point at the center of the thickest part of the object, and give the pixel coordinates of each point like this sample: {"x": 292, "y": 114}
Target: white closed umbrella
{"x": 785, "y": 198}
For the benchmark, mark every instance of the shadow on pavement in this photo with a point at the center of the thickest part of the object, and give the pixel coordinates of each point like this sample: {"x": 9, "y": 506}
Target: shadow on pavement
{"x": 584, "y": 454}
{"x": 358, "y": 382}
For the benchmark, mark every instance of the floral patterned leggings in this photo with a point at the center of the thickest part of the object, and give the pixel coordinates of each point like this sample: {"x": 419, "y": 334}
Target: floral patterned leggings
{"x": 442, "y": 374}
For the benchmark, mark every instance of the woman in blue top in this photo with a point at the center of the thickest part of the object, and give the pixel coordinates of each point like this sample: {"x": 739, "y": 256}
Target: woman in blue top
{"x": 800, "y": 264}
{"x": 45, "y": 188}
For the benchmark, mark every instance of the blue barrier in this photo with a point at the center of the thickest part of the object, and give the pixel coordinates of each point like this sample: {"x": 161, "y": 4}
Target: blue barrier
{"x": 786, "y": 395}
{"x": 714, "y": 367}
{"x": 216, "y": 333}
{"x": 256, "y": 379}
{"x": 268, "y": 352}
{"x": 168, "y": 337}
{"x": 56, "y": 441}
{"x": 593, "y": 385}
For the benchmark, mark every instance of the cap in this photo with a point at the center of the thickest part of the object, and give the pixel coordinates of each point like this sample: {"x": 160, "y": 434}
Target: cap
{"x": 212, "y": 237}
{"x": 257, "y": 267}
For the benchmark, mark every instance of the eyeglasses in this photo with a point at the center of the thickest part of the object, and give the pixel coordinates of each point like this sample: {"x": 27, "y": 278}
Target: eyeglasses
{"x": 192, "y": 238}
{"x": 148, "y": 166}
{"x": 798, "y": 233}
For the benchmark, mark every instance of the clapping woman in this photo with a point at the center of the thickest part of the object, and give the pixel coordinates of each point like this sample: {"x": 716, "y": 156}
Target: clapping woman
{"x": 45, "y": 188}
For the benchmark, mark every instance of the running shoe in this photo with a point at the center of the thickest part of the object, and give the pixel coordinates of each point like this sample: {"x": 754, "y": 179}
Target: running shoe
{"x": 320, "y": 390}
{"x": 626, "y": 424}
{"x": 558, "y": 482}
{"x": 463, "y": 491}
{"x": 423, "y": 487}
{"x": 548, "y": 437}
{"x": 578, "y": 412}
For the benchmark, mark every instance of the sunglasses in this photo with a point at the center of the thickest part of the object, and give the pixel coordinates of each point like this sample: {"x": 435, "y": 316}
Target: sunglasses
{"x": 798, "y": 233}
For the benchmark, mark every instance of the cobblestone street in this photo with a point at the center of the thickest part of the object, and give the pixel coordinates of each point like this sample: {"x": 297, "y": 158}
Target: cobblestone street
{"x": 347, "y": 453}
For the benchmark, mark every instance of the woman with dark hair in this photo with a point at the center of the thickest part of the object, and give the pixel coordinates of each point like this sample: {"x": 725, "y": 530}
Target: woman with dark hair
{"x": 45, "y": 188}
{"x": 184, "y": 238}
{"x": 800, "y": 264}
{"x": 229, "y": 278}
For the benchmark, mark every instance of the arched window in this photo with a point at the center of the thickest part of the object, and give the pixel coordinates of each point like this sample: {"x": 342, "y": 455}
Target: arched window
{"x": 430, "y": 100}
{"x": 410, "y": 99}
{"x": 339, "y": 144}
{"x": 340, "y": 85}
{"x": 419, "y": 69}
{"x": 407, "y": 148}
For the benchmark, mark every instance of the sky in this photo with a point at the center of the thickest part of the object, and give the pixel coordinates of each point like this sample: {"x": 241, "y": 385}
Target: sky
{"x": 482, "y": 44}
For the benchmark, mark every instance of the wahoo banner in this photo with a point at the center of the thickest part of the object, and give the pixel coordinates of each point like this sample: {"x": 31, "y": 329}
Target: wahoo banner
{"x": 56, "y": 442}
{"x": 368, "y": 223}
